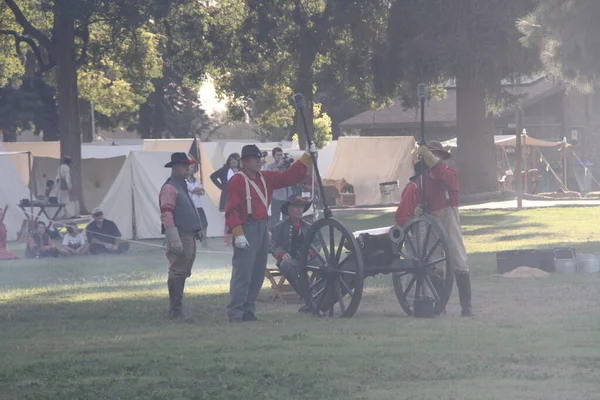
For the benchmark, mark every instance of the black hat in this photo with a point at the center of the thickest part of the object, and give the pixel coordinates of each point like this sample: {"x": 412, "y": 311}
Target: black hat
{"x": 252, "y": 150}
{"x": 419, "y": 167}
{"x": 296, "y": 201}
{"x": 179, "y": 158}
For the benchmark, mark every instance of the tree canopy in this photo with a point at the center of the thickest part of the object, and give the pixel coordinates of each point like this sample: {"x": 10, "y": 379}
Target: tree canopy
{"x": 474, "y": 44}
{"x": 566, "y": 32}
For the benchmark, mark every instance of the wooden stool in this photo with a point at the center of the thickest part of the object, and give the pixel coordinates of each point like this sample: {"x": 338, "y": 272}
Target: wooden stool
{"x": 281, "y": 289}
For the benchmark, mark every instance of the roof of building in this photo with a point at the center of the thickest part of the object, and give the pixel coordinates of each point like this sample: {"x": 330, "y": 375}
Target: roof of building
{"x": 442, "y": 113}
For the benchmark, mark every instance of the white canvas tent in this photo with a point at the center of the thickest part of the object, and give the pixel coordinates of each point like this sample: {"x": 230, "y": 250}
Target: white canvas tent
{"x": 132, "y": 201}
{"x": 98, "y": 176}
{"x": 365, "y": 162}
{"x": 12, "y": 191}
{"x": 51, "y": 150}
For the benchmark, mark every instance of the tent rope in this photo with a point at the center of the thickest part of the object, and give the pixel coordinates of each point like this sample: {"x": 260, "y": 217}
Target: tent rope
{"x": 586, "y": 168}
{"x": 62, "y": 224}
{"x": 560, "y": 182}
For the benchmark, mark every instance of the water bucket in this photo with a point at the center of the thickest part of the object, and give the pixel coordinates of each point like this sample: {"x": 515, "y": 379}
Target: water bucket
{"x": 589, "y": 263}
{"x": 566, "y": 265}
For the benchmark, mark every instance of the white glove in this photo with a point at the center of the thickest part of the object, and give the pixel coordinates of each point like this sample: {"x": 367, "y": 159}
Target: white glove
{"x": 312, "y": 148}
{"x": 174, "y": 241}
{"x": 241, "y": 242}
{"x": 418, "y": 211}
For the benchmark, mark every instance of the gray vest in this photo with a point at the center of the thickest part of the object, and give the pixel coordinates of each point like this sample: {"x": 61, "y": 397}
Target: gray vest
{"x": 185, "y": 214}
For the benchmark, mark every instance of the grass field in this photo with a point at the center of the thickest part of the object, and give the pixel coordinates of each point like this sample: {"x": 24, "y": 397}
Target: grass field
{"x": 95, "y": 328}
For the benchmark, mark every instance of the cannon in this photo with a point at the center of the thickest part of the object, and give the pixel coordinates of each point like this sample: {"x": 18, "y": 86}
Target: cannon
{"x": 335, "y": 261}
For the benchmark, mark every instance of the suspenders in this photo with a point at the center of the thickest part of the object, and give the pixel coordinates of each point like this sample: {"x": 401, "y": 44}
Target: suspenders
{"x": 264, "y": 196}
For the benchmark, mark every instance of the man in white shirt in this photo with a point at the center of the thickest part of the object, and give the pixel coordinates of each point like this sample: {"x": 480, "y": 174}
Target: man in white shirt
{"x": 74, "y": 242}
{"x": 196, "y": 191}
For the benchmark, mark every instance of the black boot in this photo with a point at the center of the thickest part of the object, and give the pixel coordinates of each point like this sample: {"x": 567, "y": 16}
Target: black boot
{"x": 463, "y": 283}
{"x": 176, "y": 286}
{"x": 300, "y": 287}
{"x": 438, "y": 285}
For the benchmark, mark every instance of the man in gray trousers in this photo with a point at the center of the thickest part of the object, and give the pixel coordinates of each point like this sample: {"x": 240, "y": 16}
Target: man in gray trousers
{"x": 249, "y": 194}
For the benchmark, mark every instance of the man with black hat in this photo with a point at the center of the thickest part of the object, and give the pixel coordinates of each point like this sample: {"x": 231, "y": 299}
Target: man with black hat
{"x": 441, "y": 191}
{"x": 288, "y": 236}
{"x": 181, "y": 225}
{"x": 249, "y": 194}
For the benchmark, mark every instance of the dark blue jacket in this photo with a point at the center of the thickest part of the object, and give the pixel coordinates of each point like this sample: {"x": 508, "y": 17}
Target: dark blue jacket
{"x": 219, "y": 178}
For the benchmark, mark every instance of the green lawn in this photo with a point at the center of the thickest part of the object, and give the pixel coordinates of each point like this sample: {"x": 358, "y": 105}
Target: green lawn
{"x": 95, "y": 328}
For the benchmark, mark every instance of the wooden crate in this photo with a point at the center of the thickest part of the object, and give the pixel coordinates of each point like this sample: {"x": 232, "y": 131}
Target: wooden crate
{"x": 347, "y": 199}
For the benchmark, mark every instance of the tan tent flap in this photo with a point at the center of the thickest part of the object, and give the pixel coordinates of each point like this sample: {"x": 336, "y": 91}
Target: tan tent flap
{"x": 365, "y": 162}
{"x": 527, "y": 141}
{"x": 98, "y": 176}
{"x": 183, "y": 145}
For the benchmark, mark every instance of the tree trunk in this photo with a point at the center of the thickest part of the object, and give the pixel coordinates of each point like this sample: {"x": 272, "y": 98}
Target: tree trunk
{"x": 304, "y": 85}
{"x": 476, "y": 154}
{"x": 87, "y": 135}
{"x": 68, "y": 107}
{"x": 9, "y": 135}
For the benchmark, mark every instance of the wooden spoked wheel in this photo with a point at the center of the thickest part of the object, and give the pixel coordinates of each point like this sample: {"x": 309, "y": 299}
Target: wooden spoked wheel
{"x": 333, "y": 268}
{"x": 431, "y": 278}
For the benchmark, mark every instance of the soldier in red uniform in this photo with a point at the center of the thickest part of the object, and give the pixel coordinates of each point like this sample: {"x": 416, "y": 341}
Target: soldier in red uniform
{"x": 411, "y": 196}
{"x": 441, "y": 190}
{"x": 249, "y": 194}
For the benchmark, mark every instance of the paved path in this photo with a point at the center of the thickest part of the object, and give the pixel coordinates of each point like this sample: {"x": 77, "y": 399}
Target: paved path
{"x": 494, "y": 205}
{"x": 510, "y": 204}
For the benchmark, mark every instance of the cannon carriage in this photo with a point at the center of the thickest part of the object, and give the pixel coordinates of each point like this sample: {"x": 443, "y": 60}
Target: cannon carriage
{"x": 335, "y": 261}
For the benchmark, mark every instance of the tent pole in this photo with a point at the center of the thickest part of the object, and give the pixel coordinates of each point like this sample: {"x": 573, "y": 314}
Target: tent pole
{"x": 30, "y": 166}
{"x": 519, "y": 129}
{"x": 564, "y": 165}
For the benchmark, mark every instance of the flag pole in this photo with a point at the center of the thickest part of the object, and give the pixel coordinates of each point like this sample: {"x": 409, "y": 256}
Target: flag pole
{"x": 199, "y": 160}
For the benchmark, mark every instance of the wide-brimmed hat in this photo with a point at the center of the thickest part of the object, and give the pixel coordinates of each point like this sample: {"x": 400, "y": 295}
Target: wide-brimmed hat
{"x": 438, "y": 149}
{"x": 296, "y": 201}
{"x": 179, "y": 158}
{"x": 97, "y": 212}
{"x": 252, "y": 150}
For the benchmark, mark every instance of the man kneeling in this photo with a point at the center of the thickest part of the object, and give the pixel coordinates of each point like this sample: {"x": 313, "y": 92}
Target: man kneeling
{"x": 287, "y": 238}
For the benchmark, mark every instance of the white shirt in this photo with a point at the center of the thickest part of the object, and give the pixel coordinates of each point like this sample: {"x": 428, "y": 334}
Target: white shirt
{"x": 230, "y": 173}
{"x": 78, "y": 240}
{"x": 195, "y": 197}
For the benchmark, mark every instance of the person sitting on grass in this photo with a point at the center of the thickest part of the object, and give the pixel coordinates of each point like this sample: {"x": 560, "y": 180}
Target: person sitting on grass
{"x": 104, "y": 236}
{"x": 4, "y": 254}
{"x": 39, "y": 244}
{"x": 74, "y": 242}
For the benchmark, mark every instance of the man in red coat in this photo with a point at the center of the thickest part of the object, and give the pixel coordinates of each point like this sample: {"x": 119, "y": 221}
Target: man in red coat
{"x": 249, "y": 194}
{"x": 441, "y": 190}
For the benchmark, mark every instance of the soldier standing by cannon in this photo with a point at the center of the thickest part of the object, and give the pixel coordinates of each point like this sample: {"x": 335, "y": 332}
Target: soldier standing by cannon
{"x": 441, "y": 195}
{"x": 249, "y": 194}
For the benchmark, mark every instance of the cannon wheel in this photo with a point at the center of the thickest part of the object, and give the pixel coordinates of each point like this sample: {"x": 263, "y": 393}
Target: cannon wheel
{"x": 333, "y": 268}
{"x": 426, "y": 242}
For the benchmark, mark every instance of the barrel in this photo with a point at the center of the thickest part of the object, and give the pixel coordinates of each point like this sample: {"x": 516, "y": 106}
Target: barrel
{"x": 589, "y": 263}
